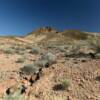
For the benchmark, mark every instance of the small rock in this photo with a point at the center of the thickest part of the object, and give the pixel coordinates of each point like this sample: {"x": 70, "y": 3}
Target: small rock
{"x": 69, "y": 98}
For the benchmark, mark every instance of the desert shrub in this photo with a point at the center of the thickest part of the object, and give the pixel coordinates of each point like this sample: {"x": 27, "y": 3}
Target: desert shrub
{"x": 95, "y": 42}
{"x": 20, "y": 52}
{"x": 62, "y": 86}
{"x": 97, "y": 55}
{"x": 12, "y": 47}
{"x": 20, "y": 60}
{"x": 28, "y": 47}
{"x": 43, "y": 63}
{"x": 65, "y": 84}
{"x": 46, "y": 60}
{"x": 20, "y": 48}
{"x": 29, "y": 69}
{"x": 16, "y": 94}
{"x": 14, "y": 97}
{"x": 51, "y": 45}
{"x": 49, "y": 57}
{"x": 97, "y": 45}
{"x": 35, "y": 50}
{"x": 61, "y": 48}
{"x": 8, "y": 51}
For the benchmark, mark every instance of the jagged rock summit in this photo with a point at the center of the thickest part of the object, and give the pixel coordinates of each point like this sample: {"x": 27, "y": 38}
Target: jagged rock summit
{"x": 46, "y": 29}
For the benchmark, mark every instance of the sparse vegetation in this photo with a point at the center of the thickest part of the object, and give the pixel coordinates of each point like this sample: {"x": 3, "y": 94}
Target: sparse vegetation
{"x": 29, "y": 46}
{"x": 65, "y": 84}
{"x": 61, "y": 48}
{"x": 8, "y": 51}
{"x": 19, "y": 48}
{"x": 47, "y": 60}
{"x": 15, "y": 96}
{"x": 62, "y": 86}
{"x": 20, "y": 52}
{"x": 43, "y": 63}
{"x": 20, "y": 60}
{"x": 29, "y": 69}
{"x": 50, "y": 57}
{"x": 97, "y": 55}
{"x": 95, "y": 42}
{"x": 50, "y": 68}
{"x": 35, "y": 50}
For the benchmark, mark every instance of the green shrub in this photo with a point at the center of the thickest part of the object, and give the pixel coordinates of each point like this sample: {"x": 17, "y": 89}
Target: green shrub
{"x": 46, "y": 60}
{"x": 50, "y": 46}
{"x": 97, "y": 55}
{"x": 95, "y": 42}
{"x": 16, "y": 95}
{"x": 62, "y": 86}
{"x": 8, "y": 51}
{"x": 61, "y": 48}
{"x": 43, "y": 63}
{"x": 29, "y": 47}
{"x": 35, "y": 50}
{"x": 49, "y": 57}
{"x": 19, "y": 48}
{"x": 65, "y": 84}
{"x": 20, "y": 52}
{"x": 29, "y": 69}
{"x": 20, "y": 60}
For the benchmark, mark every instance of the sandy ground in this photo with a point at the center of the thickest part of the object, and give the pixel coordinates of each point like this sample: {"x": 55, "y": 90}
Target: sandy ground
{"x": 84, "y": 77}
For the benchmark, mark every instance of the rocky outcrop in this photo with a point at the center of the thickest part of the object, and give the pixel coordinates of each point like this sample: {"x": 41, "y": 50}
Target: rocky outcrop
{"x": 46, "y": 29}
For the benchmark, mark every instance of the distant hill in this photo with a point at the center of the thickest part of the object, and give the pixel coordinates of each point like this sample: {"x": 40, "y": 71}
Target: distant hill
{"x": 51, "y": 35}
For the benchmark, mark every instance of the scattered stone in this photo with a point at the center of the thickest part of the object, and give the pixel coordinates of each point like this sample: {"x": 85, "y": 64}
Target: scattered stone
{"x": 98, "y": 78}
{"x": 69, "y": 98}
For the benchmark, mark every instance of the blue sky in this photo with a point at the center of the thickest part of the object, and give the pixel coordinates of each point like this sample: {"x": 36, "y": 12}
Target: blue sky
{"x": 18, "y": 17}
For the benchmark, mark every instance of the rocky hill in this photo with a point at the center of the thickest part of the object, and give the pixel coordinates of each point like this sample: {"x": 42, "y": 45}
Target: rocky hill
{"x": 49, "y": 35}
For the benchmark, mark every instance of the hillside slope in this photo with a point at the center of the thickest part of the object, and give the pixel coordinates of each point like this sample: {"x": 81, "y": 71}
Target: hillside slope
{"x": 54, "y": 36}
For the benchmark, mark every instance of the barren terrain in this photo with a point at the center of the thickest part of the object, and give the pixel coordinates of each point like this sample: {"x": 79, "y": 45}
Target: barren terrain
{"x": 50, "y": 65}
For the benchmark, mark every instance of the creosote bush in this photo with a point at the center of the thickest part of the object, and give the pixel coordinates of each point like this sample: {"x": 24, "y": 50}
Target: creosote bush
{"x": 43, "y": 63}
{"x": 14, "y": 93}
{"x": 20, "y": 48}
{"x": 30, "y": 69}
{"x": 29, "y": 46}
{"x": 47, "y": 60}
{"x": 95, "y": 42}
{"x": 8, "y": 51}
{"x": 65, "y": 84}
{"x": 97, "y": 55}
{"x": 50, "y": 57}
{"x": 61, "y": 48}
{"x": 20, "y": 60}
{"x": 62, "y": 86}
{"x": 20, "y": 52}
{"x": 14, "y": 97}
{"x": 35, "y": 50}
